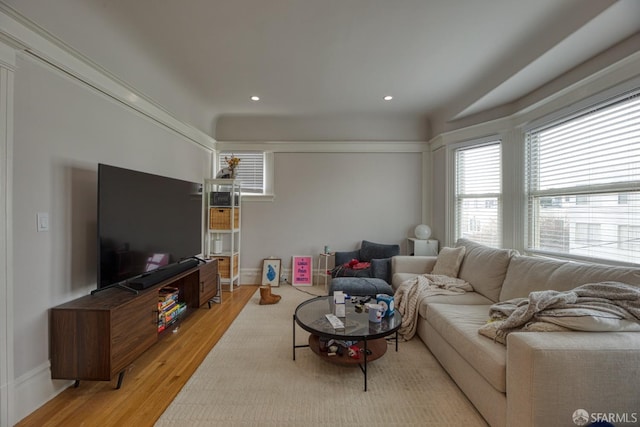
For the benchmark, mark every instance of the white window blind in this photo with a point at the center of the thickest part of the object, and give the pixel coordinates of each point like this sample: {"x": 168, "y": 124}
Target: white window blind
{"x": 250, "y": 170}
{"x": 479, "y": 193}
{"x": 584, "y": 183}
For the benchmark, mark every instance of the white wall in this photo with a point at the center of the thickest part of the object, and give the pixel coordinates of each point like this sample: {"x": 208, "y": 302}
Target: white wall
{"x": 334, "y": 199}
{"x": 62, "y": 130}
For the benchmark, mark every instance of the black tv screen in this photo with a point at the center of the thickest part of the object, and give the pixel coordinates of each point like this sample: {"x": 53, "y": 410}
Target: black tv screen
{"x": 145, "y": 222}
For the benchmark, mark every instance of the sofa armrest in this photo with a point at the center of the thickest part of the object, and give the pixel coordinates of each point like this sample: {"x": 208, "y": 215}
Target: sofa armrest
{"x": 344, "y": 257}
{"x": 552, "y": 374}
{"x": 412, "y": 264}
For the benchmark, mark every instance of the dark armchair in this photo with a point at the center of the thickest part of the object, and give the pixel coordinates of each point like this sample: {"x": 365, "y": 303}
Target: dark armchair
{"x": 377, "y": 254}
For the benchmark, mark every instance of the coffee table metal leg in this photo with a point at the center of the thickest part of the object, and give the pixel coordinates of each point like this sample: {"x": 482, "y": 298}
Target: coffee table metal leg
{"x": 293, "y": 344}
{"x": 365, "y": 364}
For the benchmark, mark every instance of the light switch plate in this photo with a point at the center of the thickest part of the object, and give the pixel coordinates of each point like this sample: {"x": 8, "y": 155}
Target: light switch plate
{"x": 42, "y": 219}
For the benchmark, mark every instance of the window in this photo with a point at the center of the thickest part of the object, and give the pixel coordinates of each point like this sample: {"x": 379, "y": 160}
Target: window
{"x": 478, "y": 193}
{"x": 590, "y": 164}
{"x": 629, "y": 237}
{"x": 250, "y": 170}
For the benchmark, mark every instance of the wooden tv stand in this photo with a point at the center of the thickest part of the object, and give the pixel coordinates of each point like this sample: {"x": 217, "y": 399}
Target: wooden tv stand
{"x": 97, "y": 336}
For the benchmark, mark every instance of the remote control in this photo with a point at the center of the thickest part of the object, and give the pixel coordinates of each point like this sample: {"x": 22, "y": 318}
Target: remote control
{"x": 335, "y": 322}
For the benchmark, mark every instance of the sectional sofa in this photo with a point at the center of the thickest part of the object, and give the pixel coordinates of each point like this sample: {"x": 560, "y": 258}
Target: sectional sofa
{"x": 536, "y": 378}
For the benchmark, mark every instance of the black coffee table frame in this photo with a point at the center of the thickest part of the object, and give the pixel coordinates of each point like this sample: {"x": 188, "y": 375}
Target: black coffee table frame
{"x": 310, "y": 316}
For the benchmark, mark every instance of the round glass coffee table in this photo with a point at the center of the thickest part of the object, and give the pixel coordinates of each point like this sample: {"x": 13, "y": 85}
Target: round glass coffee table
{"x": 370, "y": 336}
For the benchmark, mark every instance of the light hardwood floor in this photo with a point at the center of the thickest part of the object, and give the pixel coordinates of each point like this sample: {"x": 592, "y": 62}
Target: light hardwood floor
{"x": 153, "y": 381}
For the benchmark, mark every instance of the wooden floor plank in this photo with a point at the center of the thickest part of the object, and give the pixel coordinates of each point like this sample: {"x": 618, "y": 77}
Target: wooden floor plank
{"x": 152, "y": 381}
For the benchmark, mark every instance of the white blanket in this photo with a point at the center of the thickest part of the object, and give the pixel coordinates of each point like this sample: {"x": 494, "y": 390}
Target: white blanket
{"x": 411, "y": 292}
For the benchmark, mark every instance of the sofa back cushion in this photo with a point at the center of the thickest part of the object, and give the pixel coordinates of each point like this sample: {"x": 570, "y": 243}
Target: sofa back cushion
{"x": 528, "y": 274}
{"x": 484, "y": 267}
{"x": 371, "y": 250}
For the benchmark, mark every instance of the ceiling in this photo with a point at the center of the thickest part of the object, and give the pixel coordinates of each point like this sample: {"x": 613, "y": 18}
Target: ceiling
{"x": 203, "y": 59}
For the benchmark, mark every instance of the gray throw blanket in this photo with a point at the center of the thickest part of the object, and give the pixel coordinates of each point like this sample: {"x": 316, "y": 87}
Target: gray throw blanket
{"x": 411, "y": 292}
{"x": 613, "y": 299}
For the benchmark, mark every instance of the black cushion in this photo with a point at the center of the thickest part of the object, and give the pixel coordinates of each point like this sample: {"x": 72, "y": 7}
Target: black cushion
{"x": 371, "y": 250}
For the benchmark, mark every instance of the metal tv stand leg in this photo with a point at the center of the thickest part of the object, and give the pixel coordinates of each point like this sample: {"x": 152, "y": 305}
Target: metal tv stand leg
{"x": 120, "y": 378}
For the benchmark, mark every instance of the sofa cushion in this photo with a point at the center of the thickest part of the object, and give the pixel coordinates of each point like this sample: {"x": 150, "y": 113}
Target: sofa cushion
{"x": 490, "y": 329}
{"x": 468, "y": 298}
{"x": 528, "y": 274}
{"x": 370, "y": 250}
{"x": 398, "y": 278}
{"x": 458, "y": 325}
{"x": 484, "y": 267}
{"x": 449, "y": 260}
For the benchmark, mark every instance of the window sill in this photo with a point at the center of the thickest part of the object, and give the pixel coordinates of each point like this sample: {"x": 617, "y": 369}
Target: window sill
{"x": 258, "y": 198}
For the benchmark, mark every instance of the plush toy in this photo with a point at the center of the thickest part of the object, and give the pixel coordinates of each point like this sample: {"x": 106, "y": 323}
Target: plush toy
{"x": 345, "y": 270}
{"x": 358, "y": 265}
{"x": 354, "y": 352}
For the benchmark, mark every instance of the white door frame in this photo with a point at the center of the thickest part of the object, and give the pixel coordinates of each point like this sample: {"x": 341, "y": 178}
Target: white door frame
{"x": 7, "y": 66}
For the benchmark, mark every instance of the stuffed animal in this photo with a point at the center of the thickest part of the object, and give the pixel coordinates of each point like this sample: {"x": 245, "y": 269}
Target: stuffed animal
{"x": 354, "y": 352}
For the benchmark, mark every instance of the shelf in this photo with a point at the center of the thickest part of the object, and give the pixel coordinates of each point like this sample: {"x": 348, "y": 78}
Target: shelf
{"x": 223, "y": 207}
{"x": 224, "y": 253}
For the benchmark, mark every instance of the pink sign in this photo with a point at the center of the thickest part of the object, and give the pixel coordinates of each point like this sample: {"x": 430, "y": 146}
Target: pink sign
{"x": 301, "y": 271}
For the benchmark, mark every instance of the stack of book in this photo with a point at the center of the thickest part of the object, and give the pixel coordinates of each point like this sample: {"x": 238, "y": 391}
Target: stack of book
{"x": 169, "y": 308}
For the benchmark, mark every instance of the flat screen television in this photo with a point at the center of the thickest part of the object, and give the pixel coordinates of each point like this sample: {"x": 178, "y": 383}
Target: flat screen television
{"x": 146, "y": 222}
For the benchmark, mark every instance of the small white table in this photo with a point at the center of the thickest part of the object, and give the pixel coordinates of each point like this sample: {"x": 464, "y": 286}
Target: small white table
{"x": 325, "y": 263}
{"x": 422, "y": 247}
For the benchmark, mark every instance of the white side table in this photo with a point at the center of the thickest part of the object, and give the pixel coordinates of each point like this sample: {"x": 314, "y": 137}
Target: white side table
{"x": 325, "y": 263}
{"x": 422, "y": 247}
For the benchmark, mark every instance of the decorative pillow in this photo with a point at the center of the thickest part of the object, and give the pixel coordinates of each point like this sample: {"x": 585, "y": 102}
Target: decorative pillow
{"x": 448, "y": 262}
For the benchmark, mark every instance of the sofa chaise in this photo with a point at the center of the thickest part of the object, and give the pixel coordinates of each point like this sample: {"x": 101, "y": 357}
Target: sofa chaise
{"x": 536, "y": 378}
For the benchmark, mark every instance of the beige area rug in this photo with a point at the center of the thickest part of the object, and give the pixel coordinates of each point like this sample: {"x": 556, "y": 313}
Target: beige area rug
{"x": 251, "y": 379}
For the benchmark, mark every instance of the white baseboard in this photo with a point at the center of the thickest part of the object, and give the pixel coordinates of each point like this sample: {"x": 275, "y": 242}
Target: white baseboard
{"x": 250, "y": 276}
{"x": 253, "y": 276}
{"x": 33, "y": 390}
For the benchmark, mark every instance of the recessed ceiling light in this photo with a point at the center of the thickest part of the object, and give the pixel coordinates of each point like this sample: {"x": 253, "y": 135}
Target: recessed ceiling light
{"x": 388, "y": 98}
{"x": 255, "y": 98}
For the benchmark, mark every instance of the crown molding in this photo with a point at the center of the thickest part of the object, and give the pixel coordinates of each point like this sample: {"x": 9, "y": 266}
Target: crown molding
{"x": 326, "y": 146}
